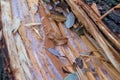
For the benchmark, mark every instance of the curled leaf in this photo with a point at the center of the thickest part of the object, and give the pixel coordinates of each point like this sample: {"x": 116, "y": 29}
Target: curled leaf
{"x": 54, "y": 52}
{"x": 70, "y": 20}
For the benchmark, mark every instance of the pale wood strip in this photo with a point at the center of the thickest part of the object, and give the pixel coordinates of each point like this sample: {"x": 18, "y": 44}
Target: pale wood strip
{"x": 9, "y": 38}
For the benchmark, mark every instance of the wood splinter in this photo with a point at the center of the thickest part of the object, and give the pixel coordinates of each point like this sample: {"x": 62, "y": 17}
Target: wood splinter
{"x": 32, "y": 24}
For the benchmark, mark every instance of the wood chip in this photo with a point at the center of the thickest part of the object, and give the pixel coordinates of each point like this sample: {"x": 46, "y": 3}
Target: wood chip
{"x": 32, "y": 24}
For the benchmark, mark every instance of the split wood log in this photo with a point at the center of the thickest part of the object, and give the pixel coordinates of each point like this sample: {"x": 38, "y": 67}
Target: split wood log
{"x": 91, "y": 27}
{"x": 110, "y": 35}
{"x": 65, "y": 33}
{"x": 27, "y": 59}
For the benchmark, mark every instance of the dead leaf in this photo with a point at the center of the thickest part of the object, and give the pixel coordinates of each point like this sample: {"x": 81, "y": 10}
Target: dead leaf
{"x": 70, "y": 20}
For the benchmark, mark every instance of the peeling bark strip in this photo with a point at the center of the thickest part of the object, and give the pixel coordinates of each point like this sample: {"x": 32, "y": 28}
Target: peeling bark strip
{"x": 12, "y": 51}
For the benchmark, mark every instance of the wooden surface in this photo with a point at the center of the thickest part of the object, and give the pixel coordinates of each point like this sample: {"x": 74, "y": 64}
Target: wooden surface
{"x": 26, "y": 30}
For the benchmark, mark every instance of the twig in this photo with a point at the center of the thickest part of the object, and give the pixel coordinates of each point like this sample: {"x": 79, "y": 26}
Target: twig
{"x": 109, "y": 11}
